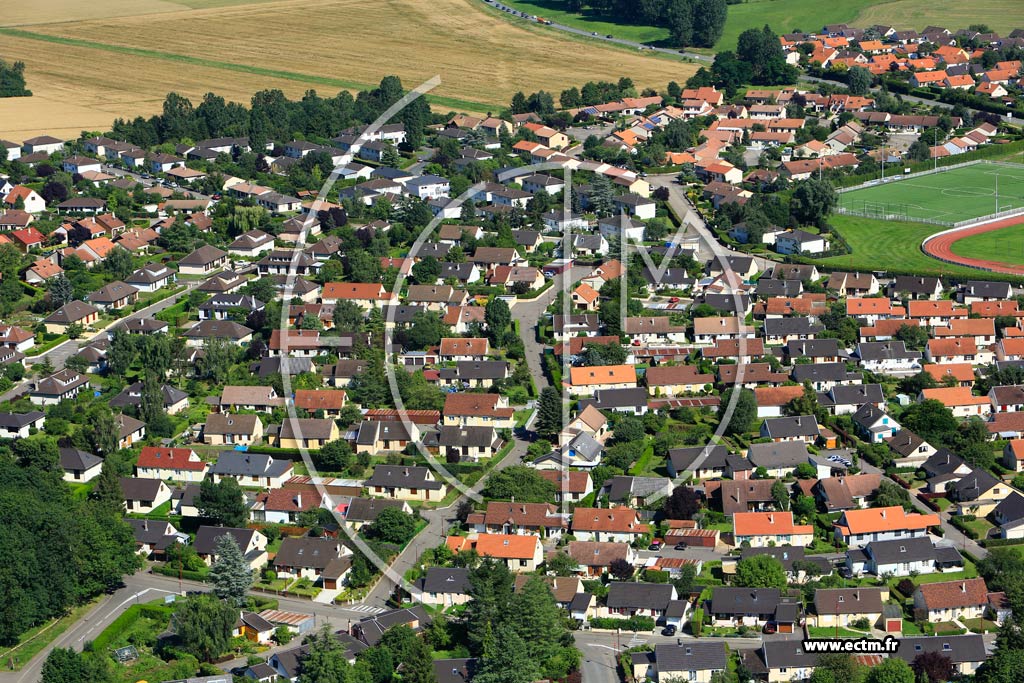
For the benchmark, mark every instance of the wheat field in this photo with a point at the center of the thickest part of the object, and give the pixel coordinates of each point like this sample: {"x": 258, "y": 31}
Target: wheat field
{"x": 86, "y": 71}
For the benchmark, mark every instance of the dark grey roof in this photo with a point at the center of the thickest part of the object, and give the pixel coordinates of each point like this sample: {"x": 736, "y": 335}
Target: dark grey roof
{"x": 812, "y": 348}
{"x": 290, "y": 364}
{"x": 787, "y": 556}
{"x": 684, "y": 458}
{"x": 475, "y": 437}
{"x": 19, "y": 420}
{"x": 623, "y": 488}
{"x": 690, "y": 656}
{"x": 768, "y": 287}
{"x": 453, "y": 580}
{"x": 727, "y": 600}
{"x": 655, "y": 596}
{"x": 132, "y": 396}
{"x": 987, "y": 290}
{"x": 885, "y": 350}
{"x": 778, "y": 327}
{"x": 370, "y": 629}
{"x": 315, "y": 553}
{"x": 942, "y": 462}
{"x": 848, "y": 600}
{"x": 481, "y": 369}
{"x": 74, "y": 459}
{"x": 787, "y": 654}
{"x": 867, "y": 415}
{"x": 727, "y": 303}
{"x": 454, "y": 670}
{"x": 609, "y": 399}
{"x": 206, "y": 538}
{"x": 367, "y": 509}
{"x": 136, "y": 488}
{"x": 822, "y": 372}
{"x": 217, "y": 328}
{"x": 852, "y": 395}
{"x": 1010, "y": 508}
{"x": 238, "y": 464}
{"x": 960, "y": 649}
{"x": 778, "y": 455}
{"x": 788, "y": 427}
{"x": 915, "y": 284}
{"x": 372, "y": 431}
{"x": 972, "y": 486}
{"x": 151, "y": 532}
{"x": 901, "y": 550}
{"x": 399, "y": 476}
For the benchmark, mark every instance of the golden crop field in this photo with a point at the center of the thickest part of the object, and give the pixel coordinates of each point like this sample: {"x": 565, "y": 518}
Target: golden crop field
{"x": 84, "y": 72}
{"x": 1001, "y": 16}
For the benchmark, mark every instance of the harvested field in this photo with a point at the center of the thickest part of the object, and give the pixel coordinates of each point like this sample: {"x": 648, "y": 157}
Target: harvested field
{"x": 294, "y": 45}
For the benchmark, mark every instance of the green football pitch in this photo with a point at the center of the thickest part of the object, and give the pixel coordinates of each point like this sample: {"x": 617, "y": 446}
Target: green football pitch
{"x": 946, "y": 197}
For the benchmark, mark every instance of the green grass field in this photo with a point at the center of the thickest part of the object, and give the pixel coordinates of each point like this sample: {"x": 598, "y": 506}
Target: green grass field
{"x": 888, "y": 245}
{"x": 1005, "y": 245}
{"x": 785, "y": 16}
{"x": 948, "y": 196}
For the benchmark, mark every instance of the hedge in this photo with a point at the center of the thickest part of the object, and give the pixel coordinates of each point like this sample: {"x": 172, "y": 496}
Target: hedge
{"x": 630, "y": 624}
{"x": 125, "y": 620}
{"x": 1000, "y": 542}
{"x": 185, "y": 573}
{"x": 697, "y": 622}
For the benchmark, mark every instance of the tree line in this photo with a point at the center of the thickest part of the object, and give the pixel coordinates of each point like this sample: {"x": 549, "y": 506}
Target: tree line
{"x": 691, "y": 23}
{"x": 272, "y": 116}
{"x": 12, "y": 80}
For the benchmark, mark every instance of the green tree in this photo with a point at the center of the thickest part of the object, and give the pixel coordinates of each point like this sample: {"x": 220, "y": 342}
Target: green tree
{"x": 708, "y": 21}
{"x": 561, "y": 564}
{"x": 426, "y": 271}
{"x": 326, "y": 661}
{"x": 222, "y": 503}
{"x": 64, "y": 665}
{"x": 812, "y": 202}
{"x": 348, "y": 316}
{"x": 891, "y": 670}
{"x": 498, "y": 319}
{"x": 524, "y": 484}
{"x": 683, "y": 503}
{"x": 859, "y": 80}
{"x": 60, "y": 290}
{"x": 549, "y": 413}
{"x": 889, "y": 494}
{"x": 507, "y": 660}
{"x": 490, "y": 598}
{"x": 744, "y": 414}
{"x": 393, "y": 526}
{"x": 230, "y": 574}
{"x": 780, "y": 494}
{"x": 203, "y": 624}
{"x": 760, "y": 571}
{"x": 426, "y": 330}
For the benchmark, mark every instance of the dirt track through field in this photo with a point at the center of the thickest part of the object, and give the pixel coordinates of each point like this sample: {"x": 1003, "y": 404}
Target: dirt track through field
{"x": 942, "y": 247}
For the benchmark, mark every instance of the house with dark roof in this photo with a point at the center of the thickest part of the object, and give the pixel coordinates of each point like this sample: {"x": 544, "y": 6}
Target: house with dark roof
{"x": 901, "y": 557}
{"x": 21, "y": 425}
{"x": 748, "y": 606}
{"x": 144, "y": 495}
{"x": 79, "y": 466}
{"x": 699, "y": 462}
{"x": 443, "y": 587}
{"x": 628, "y": 599}
{"x": 794, "y": 561}
{"x": 779, "y": 459}
{"x": 843, "y": 606}
{"x": 685, "y": 661}
{"x": 977, "y": 493}
{"x": 314, "y": 559}
{"x": 800, "y": 428}
{"x": 405, "y": 483}
{"x": 1009, "y": 515}
{"x": 251, "y": 542}
{"x": 251, "y": 469}
{"x": 369, "y": 630}
{"x": 967, "y": 652}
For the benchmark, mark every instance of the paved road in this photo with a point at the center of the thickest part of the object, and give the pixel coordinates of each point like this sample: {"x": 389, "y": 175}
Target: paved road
{"x": 529, "y": 311}
{"x": 145, "y": 587}
{"x": 59, "y": 354}
{"x": 710, "y": 246}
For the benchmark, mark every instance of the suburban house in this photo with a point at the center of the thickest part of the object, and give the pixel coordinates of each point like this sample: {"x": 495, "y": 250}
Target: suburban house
{"x": 144, "y": 495}
{"x": 176, "y": 464}
{"x": 765, "y": 529}
{"x": 521, "y": 553}
{"x": 967, "y": 652}
{"x": 593, "y": 558}
{"x": 952, "y": 600}
{"x": 251, "y": 469}
{"x": 599, "y": 524}
{"x": 857, "y": 528}
{"x": 405, "y": 483}
{"x": 79, "y": 466}
{"x": 251, "y": 542}
{"x": 629, "y": 599}
{"x": 229, "y": 428}
{"x": 443, "y": 587}
{"x": 903, "y": 557}
{"x": 751, "y": 607}
{"x": 309, "y": 433}
{"x": 843, "y": 606}
{"x": 314, "y": 559}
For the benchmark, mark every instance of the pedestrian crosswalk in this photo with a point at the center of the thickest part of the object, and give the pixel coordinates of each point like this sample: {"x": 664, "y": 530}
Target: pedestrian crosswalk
{"x": 365, "y": 609}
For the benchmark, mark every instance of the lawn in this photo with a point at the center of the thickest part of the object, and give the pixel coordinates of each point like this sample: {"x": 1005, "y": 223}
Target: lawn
{"x": 948, "y": 196}
{"x": 943, "y": 503}
{"x": 979, "y": 526}
{"x": 1005, "y": 245}
{"x": 981, "y": 625}
{"x": 892, "y": 246}
{"x": 832, "y": 632}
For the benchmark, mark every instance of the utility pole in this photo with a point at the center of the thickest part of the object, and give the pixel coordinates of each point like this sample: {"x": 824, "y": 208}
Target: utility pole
{"x": 935, "y": 135}
{"x": 997, "y": 191}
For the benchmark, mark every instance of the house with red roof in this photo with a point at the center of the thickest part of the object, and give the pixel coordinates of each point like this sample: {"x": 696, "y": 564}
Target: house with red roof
{"x": 952, "y": 600}
{"x": 31, "y": 200}
{"x": 27, "y": 238}
{"x": 770, "y": 529}
{"x": 177, "y": 464}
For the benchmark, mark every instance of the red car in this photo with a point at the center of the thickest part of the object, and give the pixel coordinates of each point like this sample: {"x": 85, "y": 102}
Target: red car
{"x": 674, "y": 300}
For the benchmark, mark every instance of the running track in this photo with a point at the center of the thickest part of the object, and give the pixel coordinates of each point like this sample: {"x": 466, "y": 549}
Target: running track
{"x": 941, "y": 247}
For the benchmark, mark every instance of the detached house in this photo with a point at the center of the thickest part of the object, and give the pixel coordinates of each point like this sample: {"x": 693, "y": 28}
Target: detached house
{"x": 177, "y": 464}
{"x": 857, "y": 528}
{"x": 251, "y": 469}
{"x": 801, "y": 428}
{"x": 599, "y": 524}
{"x": 767, "y": 529}
{"x": 629, "y": 599}
{"x": 952, "y": 600}
{"x": 519, "y": 553}
{"x": 405, "y": 483}
{"x": 843, "y": 606}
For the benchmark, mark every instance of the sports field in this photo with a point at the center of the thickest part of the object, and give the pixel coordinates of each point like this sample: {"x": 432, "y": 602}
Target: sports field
{"x": 945, "y": 197}
{"x": 1005, "y": 245}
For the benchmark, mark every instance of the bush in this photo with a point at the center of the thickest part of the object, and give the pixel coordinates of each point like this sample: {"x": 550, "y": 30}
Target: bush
{"x": 630, "y": 624}
{"x": 697, "y": 622}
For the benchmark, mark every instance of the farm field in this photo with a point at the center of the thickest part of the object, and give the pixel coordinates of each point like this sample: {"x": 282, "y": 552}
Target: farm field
{"x": 789, "y": 15}
{"x": 77, "y": 66}
{"x": 888, "y": 245}
{"x": 948, "y": 196}
{"x": 1005, "y": 245}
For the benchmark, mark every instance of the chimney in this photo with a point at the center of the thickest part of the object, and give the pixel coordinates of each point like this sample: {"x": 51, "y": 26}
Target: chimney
{"x": 883, "y": 513}
{"x": 298, "y": 500}
{"x": 771, "y": 518}
{"x": 963, "y": 587}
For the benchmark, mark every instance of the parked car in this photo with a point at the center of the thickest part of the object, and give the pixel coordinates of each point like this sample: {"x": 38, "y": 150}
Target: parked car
{"x": 769, "y": 628}
{"x": 680, "y": 546}
{"x": 669, "y": 630}
{"x": 655, "y": 545}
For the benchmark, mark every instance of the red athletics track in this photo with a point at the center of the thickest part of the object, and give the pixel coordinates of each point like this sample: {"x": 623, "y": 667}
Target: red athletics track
{"x": 941, "y": 247}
